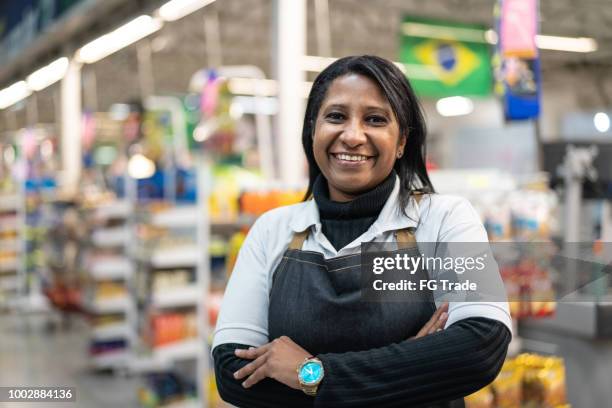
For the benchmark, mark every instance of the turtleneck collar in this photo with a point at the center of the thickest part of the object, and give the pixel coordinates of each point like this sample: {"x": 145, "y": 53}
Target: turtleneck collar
{"x": 368, "y": 204}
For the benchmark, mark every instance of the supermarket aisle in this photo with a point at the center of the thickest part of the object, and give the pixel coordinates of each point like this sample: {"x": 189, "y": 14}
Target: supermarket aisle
{"x": 31, "y": 355}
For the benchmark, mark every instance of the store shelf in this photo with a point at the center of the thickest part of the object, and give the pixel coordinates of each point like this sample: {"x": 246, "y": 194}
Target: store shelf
{"x": 182, "y": 350}
{"x": 189, "y": 403}
{"x": 177, "y": 217}
{"x": 177, "y": 297}
{"x": 9, "y": 244}
{"x": 108, "y": 268}
{"x": 116, "y": 210}
{"x": 9, "y": 266}
{"x": 185, "y": 256}
{"x": 8, "y": 224}
{"x": 111, "y": 359}
{"x": 9, "y": 283}
{"x": 234, "y": 224}
{"x": 112, "y": 331}
{"x": 110, "y": 237}
{"x": 113, "y": 305}
{"x": 9, "y": 203}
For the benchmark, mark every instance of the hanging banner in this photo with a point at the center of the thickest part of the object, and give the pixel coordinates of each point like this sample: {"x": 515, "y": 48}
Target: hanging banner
{"x": 517, "y": 59}
{"x": 446, "y": 59}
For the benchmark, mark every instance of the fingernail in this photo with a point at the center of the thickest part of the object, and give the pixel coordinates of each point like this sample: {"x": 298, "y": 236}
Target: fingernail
{"x": 251, "y": 348}
{"x": 443, "y": 316}
{"x": 236, "y": 374}
{"x": 244, "y": 384}
{"x": 237, "y": 351}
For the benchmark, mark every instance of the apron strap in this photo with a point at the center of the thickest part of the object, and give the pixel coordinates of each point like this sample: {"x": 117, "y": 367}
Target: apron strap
{"x": 405, "y": 238}
{"x": 298, "y": 239}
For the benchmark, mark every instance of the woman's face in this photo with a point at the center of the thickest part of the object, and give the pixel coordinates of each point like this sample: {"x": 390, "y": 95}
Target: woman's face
{"x": 356, "y": 137}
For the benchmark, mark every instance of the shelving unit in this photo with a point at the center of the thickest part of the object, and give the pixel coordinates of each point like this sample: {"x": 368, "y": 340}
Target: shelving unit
{"x": 10, "y": 250}
{"x": 174, "y": 294}
{"x": 109, "y": 265}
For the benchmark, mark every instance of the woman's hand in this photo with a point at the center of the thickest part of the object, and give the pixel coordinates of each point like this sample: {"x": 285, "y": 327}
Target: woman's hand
{"x": 278, "y": 359}
{"x": 436, "y": 323}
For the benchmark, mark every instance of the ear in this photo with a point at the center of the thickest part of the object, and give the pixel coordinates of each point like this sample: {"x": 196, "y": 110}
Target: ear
{"x": 401, "y": 145}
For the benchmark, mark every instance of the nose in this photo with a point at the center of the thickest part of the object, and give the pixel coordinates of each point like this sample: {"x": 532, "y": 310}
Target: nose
{"x": 353, "y": 134}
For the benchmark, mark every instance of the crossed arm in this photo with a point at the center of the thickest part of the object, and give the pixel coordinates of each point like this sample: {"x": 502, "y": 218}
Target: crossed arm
{"x": 435, "y": 366}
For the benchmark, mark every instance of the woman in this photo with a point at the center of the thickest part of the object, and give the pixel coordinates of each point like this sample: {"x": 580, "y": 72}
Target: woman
{"x": 293, "y": 330}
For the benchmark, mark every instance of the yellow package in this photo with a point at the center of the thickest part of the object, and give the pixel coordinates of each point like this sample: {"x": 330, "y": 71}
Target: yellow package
{"x": 508, "y": 386}
{"x": 543, "y": 381}
{"x": 482, "y": 398}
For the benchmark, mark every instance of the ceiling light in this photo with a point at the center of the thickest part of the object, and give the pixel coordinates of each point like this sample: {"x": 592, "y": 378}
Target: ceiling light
{"x": 413, "y": 29}
{"x": 140, "y": 167}
{"x": 601, "y": 121}
{"x": 48, "y": 75}
{"x": 13, "y": 94}
{"x": 570, "y": 44}
{"x": 454, "y": 106}
{"x": 175, "y": 9}
{"x": 491, "y": 36}
{"x": 120, "y": 38}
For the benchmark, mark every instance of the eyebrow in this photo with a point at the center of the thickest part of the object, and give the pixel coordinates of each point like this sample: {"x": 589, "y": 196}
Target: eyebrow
{"x": 369, "y": 108}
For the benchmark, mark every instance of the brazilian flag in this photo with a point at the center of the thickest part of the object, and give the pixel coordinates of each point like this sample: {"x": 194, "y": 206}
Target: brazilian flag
{"x": 446, "y": 59}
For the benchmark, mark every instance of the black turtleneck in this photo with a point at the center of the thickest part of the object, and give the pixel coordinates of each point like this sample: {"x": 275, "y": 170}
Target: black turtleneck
{"x": 343, "y": 222}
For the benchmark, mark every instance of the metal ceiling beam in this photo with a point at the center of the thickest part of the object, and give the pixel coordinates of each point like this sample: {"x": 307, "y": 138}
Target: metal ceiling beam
{"x": 83, "y": 23}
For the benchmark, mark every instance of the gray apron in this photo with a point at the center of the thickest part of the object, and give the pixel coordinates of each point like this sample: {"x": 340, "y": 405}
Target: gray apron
{"x": 317, "y": 303}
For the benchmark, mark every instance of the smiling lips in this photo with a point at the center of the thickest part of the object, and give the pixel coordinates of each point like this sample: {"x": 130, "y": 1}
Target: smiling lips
{"x": 351, "y": 158}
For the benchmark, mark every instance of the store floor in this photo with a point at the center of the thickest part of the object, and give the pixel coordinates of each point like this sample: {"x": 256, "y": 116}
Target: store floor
{"x": 31, "y": 353}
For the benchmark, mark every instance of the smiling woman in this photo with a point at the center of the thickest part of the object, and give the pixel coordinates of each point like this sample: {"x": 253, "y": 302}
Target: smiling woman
{"x": 293, "y": 330}
{"x": 357, "y": 137}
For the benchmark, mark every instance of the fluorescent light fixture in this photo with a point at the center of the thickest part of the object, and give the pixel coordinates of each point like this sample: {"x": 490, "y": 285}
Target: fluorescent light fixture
{"x": 556, "y": 43}
{"x": 48, "y": 75}
{"x": 119, "y": 111}
{"x": 175, "y": 9}
{"x": 570, "y": 44}
{"x": 413, "y": 29}
{"x": 14, "y": 93}
{"x": 454, "y": 106}
{"x": 491, "y": 36}
{"x": 140, "y": 167}
{"x": 120, "y": 38}
{"x": 601, "y": 121}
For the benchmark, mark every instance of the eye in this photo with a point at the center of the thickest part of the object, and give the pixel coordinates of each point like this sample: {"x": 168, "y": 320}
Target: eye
{"x": 377, "y": 120}
{"x": 335, "y": 117}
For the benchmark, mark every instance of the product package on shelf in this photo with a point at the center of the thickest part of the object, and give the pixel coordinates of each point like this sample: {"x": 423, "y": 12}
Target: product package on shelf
{"x": 167, "y": 389}
{"x": 521, "y": 223}
{"x": 526, "y": 381}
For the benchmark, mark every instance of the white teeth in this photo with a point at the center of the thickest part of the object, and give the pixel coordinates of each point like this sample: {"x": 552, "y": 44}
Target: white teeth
{"x": 351, "y": 157}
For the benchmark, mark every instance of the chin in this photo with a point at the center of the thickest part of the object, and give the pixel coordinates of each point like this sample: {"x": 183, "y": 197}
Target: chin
{"x": 352, "y": 184}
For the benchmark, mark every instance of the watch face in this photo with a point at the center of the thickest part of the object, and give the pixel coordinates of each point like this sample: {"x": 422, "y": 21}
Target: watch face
{"x": 311, "y": 372}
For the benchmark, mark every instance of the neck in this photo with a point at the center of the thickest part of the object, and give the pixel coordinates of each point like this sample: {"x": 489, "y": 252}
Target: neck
{"x": 343, "y": 205}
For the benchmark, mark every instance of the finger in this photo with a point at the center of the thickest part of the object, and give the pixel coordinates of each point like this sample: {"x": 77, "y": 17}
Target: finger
{"x": 434, "y": 319}
{"x": 439, "y": 325}
{"x": 252, "y": 352}
{"x": 427, "y": 328}
{"x": 250, "y": 368}
{"x": 256, "y": 377}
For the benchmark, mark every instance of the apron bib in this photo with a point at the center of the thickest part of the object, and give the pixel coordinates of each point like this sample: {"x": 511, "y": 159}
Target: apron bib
{"x": 317, "y": 303}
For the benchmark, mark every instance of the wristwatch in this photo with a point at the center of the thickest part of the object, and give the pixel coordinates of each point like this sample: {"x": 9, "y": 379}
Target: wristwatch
{"x": 310, "y": 374}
